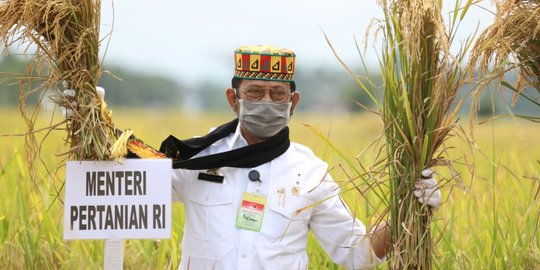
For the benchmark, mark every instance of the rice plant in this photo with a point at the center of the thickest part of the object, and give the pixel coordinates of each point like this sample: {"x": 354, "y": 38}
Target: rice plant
{"x": 421, "y": 79}
{"x": 65, "y": 36}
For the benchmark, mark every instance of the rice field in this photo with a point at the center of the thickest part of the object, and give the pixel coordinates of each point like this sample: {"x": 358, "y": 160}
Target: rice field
{"x": 489, "y": 219}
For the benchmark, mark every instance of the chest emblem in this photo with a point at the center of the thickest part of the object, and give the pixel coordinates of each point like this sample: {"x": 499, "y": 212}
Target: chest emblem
{"x": 296, "y": 190}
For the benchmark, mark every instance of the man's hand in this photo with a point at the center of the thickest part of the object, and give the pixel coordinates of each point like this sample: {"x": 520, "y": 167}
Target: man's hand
{"x": 427, "y": 191}
{"x": 381, "y": 239}
{"x": 71, "y": 101}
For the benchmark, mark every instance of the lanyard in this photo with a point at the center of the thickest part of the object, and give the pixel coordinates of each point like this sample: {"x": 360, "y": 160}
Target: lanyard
{"x": 255, "y": 176}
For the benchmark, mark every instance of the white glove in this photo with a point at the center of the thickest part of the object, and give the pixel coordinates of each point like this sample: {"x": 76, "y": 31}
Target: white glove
{"x": 70, "y": 96}
{"x": 100, "y": 92}
{"x": 427, "y": 191}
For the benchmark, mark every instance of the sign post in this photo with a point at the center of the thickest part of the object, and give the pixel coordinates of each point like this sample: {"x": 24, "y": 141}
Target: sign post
{"x": 115, "y": 201}
{"x": 114, "y": 254}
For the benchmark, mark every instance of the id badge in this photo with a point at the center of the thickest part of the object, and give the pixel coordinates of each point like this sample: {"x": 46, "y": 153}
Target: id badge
{"x": 251, "y": 212}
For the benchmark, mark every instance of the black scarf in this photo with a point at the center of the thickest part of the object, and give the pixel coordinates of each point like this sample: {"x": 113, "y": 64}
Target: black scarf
{"x": 182, "y": 151}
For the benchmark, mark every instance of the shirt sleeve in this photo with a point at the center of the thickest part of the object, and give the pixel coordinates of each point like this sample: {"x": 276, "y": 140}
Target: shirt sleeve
{"x": 341, "y": 235}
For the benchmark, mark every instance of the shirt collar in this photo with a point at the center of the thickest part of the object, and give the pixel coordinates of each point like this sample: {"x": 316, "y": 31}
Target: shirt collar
{"x": 236, "y": 140}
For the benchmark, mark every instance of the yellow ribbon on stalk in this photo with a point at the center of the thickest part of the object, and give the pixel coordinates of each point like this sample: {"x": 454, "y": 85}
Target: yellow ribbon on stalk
{"x": 119, "y": 149}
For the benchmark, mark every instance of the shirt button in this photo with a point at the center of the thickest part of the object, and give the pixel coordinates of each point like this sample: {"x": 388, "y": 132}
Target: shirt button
{"x": 243, "y": 255}
{"x": 206, "y": 198}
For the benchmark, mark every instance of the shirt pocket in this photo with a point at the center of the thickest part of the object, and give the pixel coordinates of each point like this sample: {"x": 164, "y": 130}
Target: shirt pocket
{"x": 210, "y": 210}
{"x": 287, "y": 219}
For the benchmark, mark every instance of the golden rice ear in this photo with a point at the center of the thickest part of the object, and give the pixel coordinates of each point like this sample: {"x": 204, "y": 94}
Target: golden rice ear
{"x": 512, "y": 42}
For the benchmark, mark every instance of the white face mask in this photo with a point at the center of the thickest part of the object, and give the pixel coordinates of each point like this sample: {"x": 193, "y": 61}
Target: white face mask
{"x": 264, "y": 119}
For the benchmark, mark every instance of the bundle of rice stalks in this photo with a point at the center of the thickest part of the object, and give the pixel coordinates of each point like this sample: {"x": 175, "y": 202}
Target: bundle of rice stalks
{"x": 65, "y": 35}
{"x": 511, "y": 42}
{"x": 421, "y": 78}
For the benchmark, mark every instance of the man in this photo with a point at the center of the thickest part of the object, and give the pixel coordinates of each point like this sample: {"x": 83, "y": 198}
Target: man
{"x": 251, "y": 196}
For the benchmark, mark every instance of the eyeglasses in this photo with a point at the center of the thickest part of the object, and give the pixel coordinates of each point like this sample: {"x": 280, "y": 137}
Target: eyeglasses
{"x": 277, "y": 94}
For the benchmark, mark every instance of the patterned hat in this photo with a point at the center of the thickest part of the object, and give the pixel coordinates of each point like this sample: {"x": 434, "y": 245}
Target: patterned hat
{"x": 264, "y": 62}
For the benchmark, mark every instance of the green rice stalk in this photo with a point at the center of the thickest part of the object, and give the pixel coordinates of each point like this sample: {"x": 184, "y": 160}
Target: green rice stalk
{"x": 421, "y": 78}
{"x": 65, "y": 35}
{"x": 512, "y": 42}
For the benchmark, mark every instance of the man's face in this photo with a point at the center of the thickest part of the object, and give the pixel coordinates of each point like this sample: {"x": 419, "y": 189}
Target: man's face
{"x": 269, "y": 91}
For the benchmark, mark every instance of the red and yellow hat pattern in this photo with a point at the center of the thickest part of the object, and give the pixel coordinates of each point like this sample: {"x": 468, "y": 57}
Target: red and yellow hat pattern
{"x": 264, "y": 62}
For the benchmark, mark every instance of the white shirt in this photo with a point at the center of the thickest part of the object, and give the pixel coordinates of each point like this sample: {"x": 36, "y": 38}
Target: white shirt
{"x": 212, "y": 240}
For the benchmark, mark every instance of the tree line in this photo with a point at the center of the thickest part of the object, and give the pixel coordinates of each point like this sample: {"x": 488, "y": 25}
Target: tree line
{"x": 321, "y": 90}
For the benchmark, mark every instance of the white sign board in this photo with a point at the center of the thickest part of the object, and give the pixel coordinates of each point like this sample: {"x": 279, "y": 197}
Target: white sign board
{"x": 107, "y": 199}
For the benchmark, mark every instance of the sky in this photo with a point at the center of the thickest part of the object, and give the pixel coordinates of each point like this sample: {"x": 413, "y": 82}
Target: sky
{"x": 193, "y": 40}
